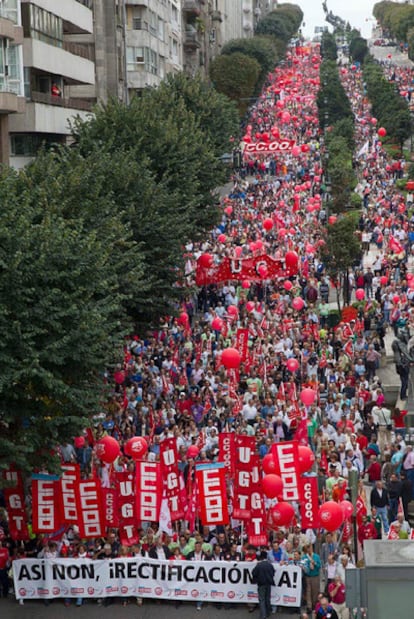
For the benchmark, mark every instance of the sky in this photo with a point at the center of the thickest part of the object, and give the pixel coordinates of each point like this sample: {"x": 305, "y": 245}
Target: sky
{"x": 357, "y": 12}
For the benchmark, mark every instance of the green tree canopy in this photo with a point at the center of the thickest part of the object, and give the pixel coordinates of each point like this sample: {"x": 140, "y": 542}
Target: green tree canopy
{"x": 358, "y": 49}
{"x": 236, "y": 76}
{"x": 260, "y": 48}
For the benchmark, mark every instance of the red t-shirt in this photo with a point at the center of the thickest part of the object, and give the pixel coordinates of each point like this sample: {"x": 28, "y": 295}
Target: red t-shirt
{"x": 4, "y": 558}
{"x": 339, "y": 596}
{"x": 362, "y": 442}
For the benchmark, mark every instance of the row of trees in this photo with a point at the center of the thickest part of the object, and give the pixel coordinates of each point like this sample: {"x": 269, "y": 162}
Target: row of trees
{"x": 92, "y": 241}
{"x": 243, "y": 65}
{"x": 396, "y": 19}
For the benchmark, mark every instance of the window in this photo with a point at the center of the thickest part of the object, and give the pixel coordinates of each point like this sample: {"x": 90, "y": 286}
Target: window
{"x": 27, "y": 145}
{"x": 152, "y": 22}
{"x": 42, "y": 25}
{"x": 160, "y": 29}
{"x": 137, "y": 23}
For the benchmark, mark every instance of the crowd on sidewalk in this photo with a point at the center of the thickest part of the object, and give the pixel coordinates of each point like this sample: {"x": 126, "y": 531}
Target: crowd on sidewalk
{"x": 171, "y": 383}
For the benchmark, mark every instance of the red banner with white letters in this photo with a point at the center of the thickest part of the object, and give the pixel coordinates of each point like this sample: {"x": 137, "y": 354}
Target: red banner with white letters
{"x": 271, "y": 146}
{"x": 148, "y": 491}
{"x": 287, "y": 461}
{"x": 309, "y": 504}
{"x": 91, "y": 521}
{"x": 246, "y": 269}
{"x": 211, "y": 483}
{"x": 125, "y": 485}
{"x": 170, "y": 475}
{"x": 245, "y": 447}
{"x": 109, "y": 505}
{"x": 69, "y": 483}
{"x": 256, "y": 525}
{"x": 242, "y": 343}
{"x": 45, "y": 504}
{"x": 227, "y": 451}
{"x": 15, "y": 505}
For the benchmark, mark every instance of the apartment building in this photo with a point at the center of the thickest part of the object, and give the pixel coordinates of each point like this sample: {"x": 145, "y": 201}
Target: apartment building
{"x": 11, "y": 70}
{"x": 56, "y": 63}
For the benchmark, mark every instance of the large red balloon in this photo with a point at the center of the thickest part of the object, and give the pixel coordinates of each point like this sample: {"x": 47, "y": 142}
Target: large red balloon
{"x": 268, "y": 224}
{"x": 206, "y": 260}
{"x": 269, "y": 464}
{"x": 347, "y": 508}
{"x": 222, "y": 238}
{"x": 193, "y": 451}
{"x": 282, "y": 514}
{"x": 136, "y": 447}
{"x": 291, "y": 259}
{"x": 287, "y": 285}
{"x": 331, "y": 516}
{"x": 382, "y": 132}
{"x": 384, "y": 280}
{"x": 307, "y": 396}
{"x": 298, "y": 303}
{"x": 217, "y": 324}
{"x": 230, "y": 358}
{"x": 232, "y": 310}
{"x": 360, "y": 294}
{"x": 292, "y": 364}
{"x": 272, "y": 485}
{"x": 250, "y": 306}
{"x": 107, "y": 449}
{"x": 306, "y": 458}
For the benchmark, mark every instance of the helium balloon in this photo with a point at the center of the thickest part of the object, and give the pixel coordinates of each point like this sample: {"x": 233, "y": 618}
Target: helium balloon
{"x": 332, "y": 220}
{"x": 382, "y": 132}
{"x": 206, "y": 260}
{"x": 217, "y": 324}
{"x": 136, "y": 447}
{"x": 228, "y": 210}
{"x": 383, "y": 280}
{"x": 396, "y": 299}
{"x": 272, "y": 485}
{"x": 222, "y": 238}
{"x": 230, "y": 358}
{"x": 107, "y": 449}
{"x": 306, "y": 458}
{"x": 291, "y": 259}
{"x": 269, "y": 464}
{"x": 347, "y": 508}
{"x": 232, "y": 311}
{"x": 245, "y": 284}
{"x": 268, "y": 224}
{"x": 296, "y": 151}
{"x": 250, "y": 306}
{"x": 307, "y": 396}
{"x": 259, "y": 244}
{"x": 183, "y": 319}
{"x": 282, "y": 514}
{"x": 298, "y": 303}
{"x": 292, "y": 364}
{"x": 360, "y": 294}
{"x": 193, "y": 451}
{"x": 373, "y": 121}
{"x": 287, "y": 285}
{"x": 331, "y": 515}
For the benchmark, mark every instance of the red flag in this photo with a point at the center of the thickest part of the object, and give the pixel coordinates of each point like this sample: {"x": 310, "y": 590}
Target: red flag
{"x": 242, "y": 342}
{"x": 309, "y": 505}
{"x": 170, "y": 475}
{"x": 109, "y": 507}
{"x": 45, "y": 504}
{"x": 148, "y": 491}
{"x": 286, "y": 457}
{"x": 69, "y": 482}
{"x": 281, "y": 395}
{"x": 124, "y": 481}
{"x": 91, "y": 519}
{"x": 227, "y": 451}
{"x": 212, "y": 494}
{"x": 301, "y": 434}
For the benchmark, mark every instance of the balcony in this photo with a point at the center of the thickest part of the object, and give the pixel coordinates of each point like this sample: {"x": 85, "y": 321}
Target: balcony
{"x": 58, "y": 61}
{"x": 78, "y": 14}
{"x": 191, "y": 7}
{"x": 46, "y": 118}
{"x": 11, "y": 103}
{"x": 9, "y": 30}
{"x": 71, "y": 103}
{"x": 191, "y": 40}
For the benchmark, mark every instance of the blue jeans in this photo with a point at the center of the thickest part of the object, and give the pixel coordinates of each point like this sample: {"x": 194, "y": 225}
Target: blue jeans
{"x": 263, "y": 592}
{"x": 382, "y": 513}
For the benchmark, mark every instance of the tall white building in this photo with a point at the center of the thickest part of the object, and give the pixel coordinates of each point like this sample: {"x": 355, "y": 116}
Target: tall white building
{"x": 55, "y": 63}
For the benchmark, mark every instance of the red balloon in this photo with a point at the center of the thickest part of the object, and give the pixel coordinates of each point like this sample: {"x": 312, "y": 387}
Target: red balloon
{"x": 272, "y": 485}
{"x": 193, "y": 451}
{"x": 206, "y": 260}
{"x": 384, "y": 280}
{"x": 331, "y": 516}
{"x": 136, "y": 447}
{"x": 382, "y": 132}
{"x": 259, "y": 244}
{"x": 332, "y": 220}
{"x": 183, "y": 319}
{"x": 347, "y": 508}
{"x": 228, "y": 210}
{"x": 306, "y": 458}
{"x": 296, "y": 151}
{"x": 268, "y": 224}
{"x": 396, "y": 299}
{"x": 222, "y": 238}
{"x": 245, "y": 284}
{"x": 287, "y": 285}
{"x": 231, "y": 358}
{"x": 262, "y": 270}
{"x": 79, "y": 442}
{"x": 107, "y": 449}
{"x": 282, "y": 514}
{"x": 291, "y": 259}
{"x": 373, "y": 121}
{"x": 298, "y": 303}
{"x": 360, "y": 294}
{"x": 269, "y": 464}
{"x": 307, "y": 396}
{"x": 217, "y": 324}
{"x": 292, "y": 364}
{"x": 232, "y": 310}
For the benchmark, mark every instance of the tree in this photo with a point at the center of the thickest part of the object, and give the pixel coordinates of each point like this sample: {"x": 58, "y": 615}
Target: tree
{"x": 61, "y": 318}
{"x": 236, "y": 76}
{"x": 341, "y": 249}
{"x": 328, "y": 47}
{"x": 358, "y": 49}
{"x": 281, "y": 23}
{"x": 262, "y": 49}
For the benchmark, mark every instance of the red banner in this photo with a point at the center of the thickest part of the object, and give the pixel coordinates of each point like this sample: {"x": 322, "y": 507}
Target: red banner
{"x": 69, "y": 483}
{"x": 45, "y": 504}
{"x": 265, "y": 148}
{"x": 170, "y": 475}
{"x": 309, "y": 505}
{"x": 211, "y": 483}
{"x": 243, "y": 477}
{"x": 148, "y": 491}
{"x": 242, "y": 343}
{"x": 16, "y": 513}
{"x": 109, "y": 505}
{"x": 91, "y": 520}
{"x": 227, "y": 451}
{"x": 256, "y": 526}
{"x": 125, "y": 498}
{"x": 246, "y": 269}
{"x": 286, "y": 458}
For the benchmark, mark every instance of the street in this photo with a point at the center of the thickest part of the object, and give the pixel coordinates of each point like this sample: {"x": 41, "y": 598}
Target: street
{"x": 10, "y": 609}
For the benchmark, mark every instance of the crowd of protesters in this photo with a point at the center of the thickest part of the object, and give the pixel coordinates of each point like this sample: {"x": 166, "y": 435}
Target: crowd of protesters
{"x": 171, "y": 382}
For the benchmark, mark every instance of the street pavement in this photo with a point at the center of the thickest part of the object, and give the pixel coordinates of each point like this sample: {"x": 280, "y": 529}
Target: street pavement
{"x": 10, "y": 609}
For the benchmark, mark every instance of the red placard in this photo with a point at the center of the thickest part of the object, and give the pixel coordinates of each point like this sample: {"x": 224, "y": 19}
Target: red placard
{"x": 69, "y": 483}
{"x": 309, "y": 505}
{"x": 170, "y": 475}
{"x": 227, "y": 451}
{"x": 91, "y": 520}
{"x": 242, "y": 343}
{"x": 246, "y": 269}
{"x": 109, "y": 506}
{"x": 148, "y": 491}
{"x": 45, "y": 504}
{"x": 211, "y": 483}
{"x": 286, "y": 458}
{"x": 125, "y": 483}
{"x": 16, "y": 512}
{"x": 245, "y": 447}
{"x": 273, "y": 146}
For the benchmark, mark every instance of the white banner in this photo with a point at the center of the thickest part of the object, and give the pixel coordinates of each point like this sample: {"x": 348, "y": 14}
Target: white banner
{"x": 141, "y": 577}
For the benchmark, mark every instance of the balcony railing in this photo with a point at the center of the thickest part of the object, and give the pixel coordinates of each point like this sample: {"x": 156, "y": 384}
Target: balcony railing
{"x": 10, "y": 85}
{"x": 191, "y": 39}
{"x": 191, "y": 6}
{"x": 87, "y": 3}
{"x": 85, "y": 51}
{"x": 75, "y": 104}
